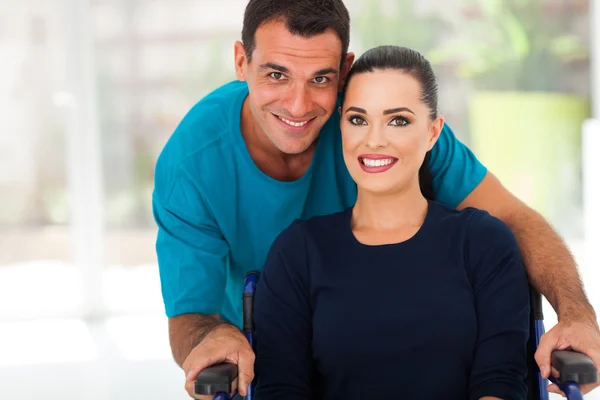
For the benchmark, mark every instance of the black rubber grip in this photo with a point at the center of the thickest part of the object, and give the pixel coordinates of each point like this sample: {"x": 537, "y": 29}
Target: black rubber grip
{"x": 215, "y": 379}
{"x": 536, "y": 304}
{"x": 248, "y": 304}
{"x": 574, "y": 366}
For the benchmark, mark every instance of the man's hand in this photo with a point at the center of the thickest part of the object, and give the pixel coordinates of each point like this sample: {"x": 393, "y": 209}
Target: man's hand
{"x": 581, "y": 335}
{"x": 225, "y": 343}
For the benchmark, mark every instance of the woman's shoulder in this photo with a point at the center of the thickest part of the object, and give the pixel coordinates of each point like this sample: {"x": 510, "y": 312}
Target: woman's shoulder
{"x": 316, "y": 228}
{"x": 483, "y": 225}
{"x": 470, "y": 218}
{"x": 473, "y": 224}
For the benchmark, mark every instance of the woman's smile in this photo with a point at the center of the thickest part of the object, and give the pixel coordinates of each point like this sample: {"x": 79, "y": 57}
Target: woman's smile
{"x": 376, "y": 163}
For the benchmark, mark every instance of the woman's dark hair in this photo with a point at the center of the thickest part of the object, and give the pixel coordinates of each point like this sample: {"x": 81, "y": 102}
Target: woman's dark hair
{"x": 414, "y": 64}
{"x": 306, "y": 18}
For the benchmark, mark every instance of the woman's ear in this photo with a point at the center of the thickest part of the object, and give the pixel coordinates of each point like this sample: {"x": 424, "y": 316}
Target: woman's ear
{"x": 435, "y": 130}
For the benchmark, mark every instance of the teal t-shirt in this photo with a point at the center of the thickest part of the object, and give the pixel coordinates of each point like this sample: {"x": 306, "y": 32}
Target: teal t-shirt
{"x": 218, "y": 213}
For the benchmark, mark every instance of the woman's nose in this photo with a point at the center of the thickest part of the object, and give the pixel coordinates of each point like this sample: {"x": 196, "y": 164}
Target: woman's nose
{"x": 376, "y": 138}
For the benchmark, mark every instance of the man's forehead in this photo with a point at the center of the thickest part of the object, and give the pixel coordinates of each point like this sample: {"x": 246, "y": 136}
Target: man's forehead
{"x": 273, "y": 39}
{"x": 291, "y": 60}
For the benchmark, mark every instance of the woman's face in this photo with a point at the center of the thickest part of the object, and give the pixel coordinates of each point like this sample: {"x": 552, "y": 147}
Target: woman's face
{"x": 386, "y": 130}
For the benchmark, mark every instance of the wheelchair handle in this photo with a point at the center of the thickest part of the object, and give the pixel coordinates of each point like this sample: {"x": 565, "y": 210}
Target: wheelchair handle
{"x": 216, "y": 379}
{"x": 574, "y": 366}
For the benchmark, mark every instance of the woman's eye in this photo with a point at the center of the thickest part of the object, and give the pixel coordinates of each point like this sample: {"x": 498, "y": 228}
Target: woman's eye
{"x": 276, "y": 75}
{"x": 321, "y": 79}
{"x": 357, "y": 121}
{"x": 399, "y": 121}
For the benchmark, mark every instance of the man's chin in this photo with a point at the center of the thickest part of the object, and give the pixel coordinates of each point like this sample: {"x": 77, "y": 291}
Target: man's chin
{"x": 293, "y": 142}
{"x": 293, "y": 149}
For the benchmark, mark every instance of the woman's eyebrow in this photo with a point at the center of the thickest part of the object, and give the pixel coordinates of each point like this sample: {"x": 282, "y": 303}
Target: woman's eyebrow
{"x": 357, "y": 109}
{"x": 398, "y": 109}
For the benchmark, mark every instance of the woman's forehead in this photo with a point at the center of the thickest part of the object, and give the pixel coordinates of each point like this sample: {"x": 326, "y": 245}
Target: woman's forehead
{"x": 383, "y": 89}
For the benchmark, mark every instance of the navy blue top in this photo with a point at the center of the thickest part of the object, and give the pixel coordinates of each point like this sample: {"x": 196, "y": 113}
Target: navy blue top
{"x": 443, "y": 315}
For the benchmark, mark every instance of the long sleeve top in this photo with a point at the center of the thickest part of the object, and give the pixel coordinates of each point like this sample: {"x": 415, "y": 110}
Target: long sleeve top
{"x": 442, "y": 315}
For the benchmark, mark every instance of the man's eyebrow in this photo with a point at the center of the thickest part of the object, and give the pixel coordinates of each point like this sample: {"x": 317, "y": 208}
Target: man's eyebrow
{"x": 357, "y": 109}
{"x": 326, "y": 71}
{"x": 275, "y": 67}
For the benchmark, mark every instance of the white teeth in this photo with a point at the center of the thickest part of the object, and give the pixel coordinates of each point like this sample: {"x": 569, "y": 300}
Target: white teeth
{"x": 377, "y": 163}
{"x": 292, "y": 123}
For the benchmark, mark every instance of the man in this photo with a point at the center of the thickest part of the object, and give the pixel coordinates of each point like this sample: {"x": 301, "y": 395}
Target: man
{"x": 258, "y": 153}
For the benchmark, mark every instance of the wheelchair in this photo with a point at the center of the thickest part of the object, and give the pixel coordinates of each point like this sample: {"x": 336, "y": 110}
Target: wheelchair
{"x": 574, "y": 368}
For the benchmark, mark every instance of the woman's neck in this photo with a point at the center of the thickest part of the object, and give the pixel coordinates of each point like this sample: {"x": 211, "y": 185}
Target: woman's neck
{"x": 390, "y": 218}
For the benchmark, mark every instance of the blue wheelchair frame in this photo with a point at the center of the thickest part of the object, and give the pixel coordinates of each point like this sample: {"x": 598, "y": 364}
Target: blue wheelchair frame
{"x": 574, "y": 368}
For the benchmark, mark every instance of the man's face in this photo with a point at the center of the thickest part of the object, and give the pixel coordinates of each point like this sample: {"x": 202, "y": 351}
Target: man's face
{"x": 293, "y": 84}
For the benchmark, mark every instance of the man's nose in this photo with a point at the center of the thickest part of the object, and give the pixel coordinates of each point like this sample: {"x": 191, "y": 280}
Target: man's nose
{"x": 299, "y": 100}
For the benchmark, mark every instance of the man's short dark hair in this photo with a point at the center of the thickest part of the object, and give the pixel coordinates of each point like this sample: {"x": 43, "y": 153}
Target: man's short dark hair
{"x": 306, "y": 18}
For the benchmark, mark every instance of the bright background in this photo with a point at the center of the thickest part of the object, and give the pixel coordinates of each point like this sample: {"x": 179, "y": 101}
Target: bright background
{"x": 90, "y": 90}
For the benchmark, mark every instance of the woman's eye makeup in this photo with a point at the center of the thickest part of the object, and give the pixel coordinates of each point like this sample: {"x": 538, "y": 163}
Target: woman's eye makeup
{"x": 399, "y": 121}
{"x": 356, "y": 120}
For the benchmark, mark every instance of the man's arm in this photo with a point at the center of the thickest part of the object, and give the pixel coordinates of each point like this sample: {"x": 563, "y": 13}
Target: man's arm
{"x": 199, "y": 341}
{"x": 192, "y": 253}
{"x": 187, "y": 331}
{"x": 552, "y": 270}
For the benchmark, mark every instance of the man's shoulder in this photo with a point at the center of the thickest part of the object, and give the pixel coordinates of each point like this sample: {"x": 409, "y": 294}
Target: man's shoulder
{"x": 204, "y": 136}
{"x": 211, "y": 119}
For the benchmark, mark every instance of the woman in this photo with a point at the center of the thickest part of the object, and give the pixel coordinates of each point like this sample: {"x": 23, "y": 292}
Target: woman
{"x": 399, "y": 296}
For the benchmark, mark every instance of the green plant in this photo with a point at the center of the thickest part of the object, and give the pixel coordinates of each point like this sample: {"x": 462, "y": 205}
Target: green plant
{"x": 514, "y": 44}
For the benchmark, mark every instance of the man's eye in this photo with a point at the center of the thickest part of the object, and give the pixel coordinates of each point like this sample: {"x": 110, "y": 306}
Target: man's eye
{"x": 321, "y": 79}
{"x": 276, "y": 75}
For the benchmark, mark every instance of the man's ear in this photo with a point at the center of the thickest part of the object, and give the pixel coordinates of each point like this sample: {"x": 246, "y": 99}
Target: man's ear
{"x": 240, "y": 60}
{"x": 345, "y": 68}
{"x": 436, "y": 129}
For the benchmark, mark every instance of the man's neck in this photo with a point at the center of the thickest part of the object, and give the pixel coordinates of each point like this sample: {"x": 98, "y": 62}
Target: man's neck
{"x": 267, "y": 157}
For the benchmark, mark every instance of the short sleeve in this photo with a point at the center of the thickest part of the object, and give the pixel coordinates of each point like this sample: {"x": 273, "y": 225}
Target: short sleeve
{"x": 192, "y": 253}
{"x": 455, "y": 169}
